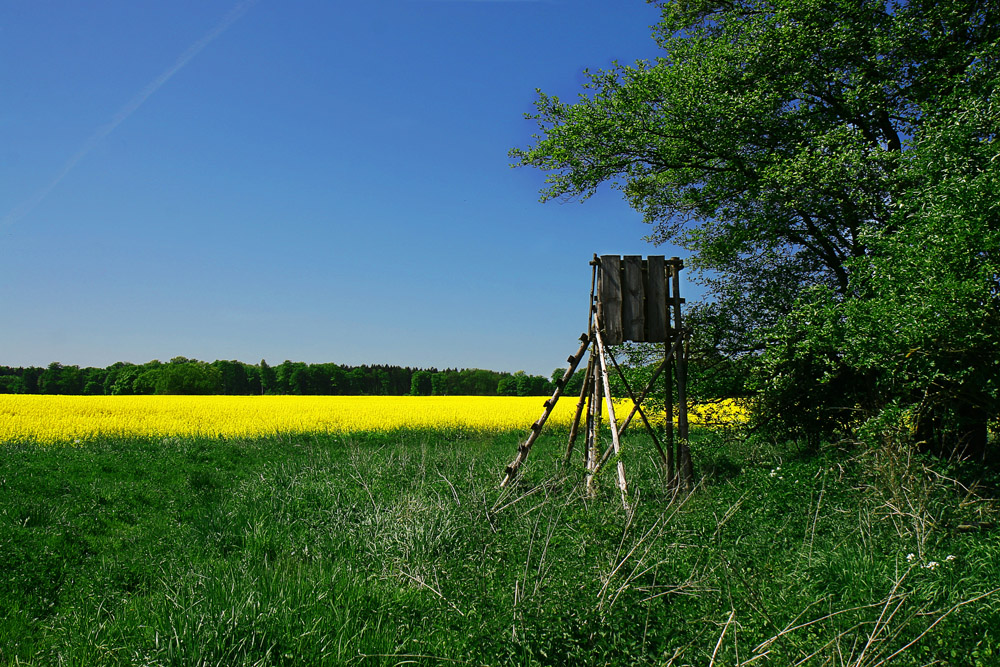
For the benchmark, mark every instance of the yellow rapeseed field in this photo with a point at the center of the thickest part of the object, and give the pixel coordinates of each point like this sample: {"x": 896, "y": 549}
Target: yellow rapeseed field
{"x": 720, "y": 413}
{"x": 72, "y": 419}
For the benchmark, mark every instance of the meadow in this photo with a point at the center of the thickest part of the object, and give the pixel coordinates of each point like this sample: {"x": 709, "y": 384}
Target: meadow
{"x": 395, "y": 546}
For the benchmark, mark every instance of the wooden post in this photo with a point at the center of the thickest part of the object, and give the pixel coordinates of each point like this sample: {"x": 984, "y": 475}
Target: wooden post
{"x": 585, "y": 389}
{"x": 593, "y": 428}
{"x": 592, "y": 307}
{"x": 598, "y": 414}
{"x": 685, "y": 469}
{"x": 575, "y": 428}
{"x": 622, "y": 484}
{"x": 592, "y": 420}
{"x": 668, "y": 410}
{"x": 670, "y": 361}
{"x": 668, "y": 449}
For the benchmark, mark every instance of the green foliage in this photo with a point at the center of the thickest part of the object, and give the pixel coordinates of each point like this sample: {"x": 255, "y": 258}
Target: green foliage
{"x": 575, "y": 383}
{"x": 268, "y": 379}
{"x": 237, "y": 379}
{"x": 469, "y": 382}
{"x": 11, "y": 384}
{"x": 181, "y": 376}
{"x": 190, "y": 376}
{"x": 59, "y": 379}
{"x": 831, "y": 168}
{"x": 420, "y": 384}
{"x": 922, "y": 328}
{"x": 507, "y": 386}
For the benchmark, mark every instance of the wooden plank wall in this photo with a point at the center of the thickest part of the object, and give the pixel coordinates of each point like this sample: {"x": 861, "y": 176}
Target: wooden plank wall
{"x": 609, "y": 299}
{"x": 632, "y": 298}
{"x": 633, "y": 308}
{"x": 656, "y": 299}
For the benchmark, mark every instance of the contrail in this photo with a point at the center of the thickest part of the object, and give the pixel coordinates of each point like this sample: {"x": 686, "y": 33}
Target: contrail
{"x": 133, "y": 105}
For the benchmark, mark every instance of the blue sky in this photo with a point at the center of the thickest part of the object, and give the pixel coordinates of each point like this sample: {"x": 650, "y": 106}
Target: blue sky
{"x": 307, "y": 180}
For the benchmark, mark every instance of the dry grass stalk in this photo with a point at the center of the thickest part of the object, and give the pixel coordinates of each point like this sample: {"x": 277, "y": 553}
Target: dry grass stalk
{"x": 722, "y": 635}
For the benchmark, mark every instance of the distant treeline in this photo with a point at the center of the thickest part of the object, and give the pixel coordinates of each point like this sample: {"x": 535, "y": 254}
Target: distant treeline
{"x": 190, "y": 376}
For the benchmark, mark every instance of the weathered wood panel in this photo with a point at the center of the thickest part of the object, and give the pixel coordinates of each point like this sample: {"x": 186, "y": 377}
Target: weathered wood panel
{"x": 633, "y": 308}
{"x": 610, "y": 299}
{"x": 656, "y": 299}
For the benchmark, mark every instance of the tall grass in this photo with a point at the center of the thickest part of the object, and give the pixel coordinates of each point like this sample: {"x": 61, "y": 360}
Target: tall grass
{"x": 399, "y": 548}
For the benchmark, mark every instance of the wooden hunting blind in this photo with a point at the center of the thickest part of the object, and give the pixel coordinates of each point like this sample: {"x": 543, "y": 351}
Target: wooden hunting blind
{"x": 632, "y": 299}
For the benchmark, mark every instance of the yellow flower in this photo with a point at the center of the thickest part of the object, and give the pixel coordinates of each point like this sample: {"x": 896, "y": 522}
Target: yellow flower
{"x": 73, "y": 419}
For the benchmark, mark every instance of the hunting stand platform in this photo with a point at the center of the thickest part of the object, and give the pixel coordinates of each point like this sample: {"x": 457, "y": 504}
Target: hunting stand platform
{"x": 631, "y": 299}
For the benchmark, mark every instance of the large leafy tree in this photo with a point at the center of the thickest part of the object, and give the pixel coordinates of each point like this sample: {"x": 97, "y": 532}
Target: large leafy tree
{"x": 778, "y": 141}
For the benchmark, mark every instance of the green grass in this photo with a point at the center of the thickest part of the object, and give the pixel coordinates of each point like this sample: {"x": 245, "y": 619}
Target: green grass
{"x": 401, "y": 549}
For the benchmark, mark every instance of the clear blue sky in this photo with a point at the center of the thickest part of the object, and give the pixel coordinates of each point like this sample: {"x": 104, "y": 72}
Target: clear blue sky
{"x": 308, "y": 180}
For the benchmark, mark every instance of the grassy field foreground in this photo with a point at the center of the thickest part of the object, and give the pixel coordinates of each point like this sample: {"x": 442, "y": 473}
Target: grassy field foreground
{"x": 399, "y": 548}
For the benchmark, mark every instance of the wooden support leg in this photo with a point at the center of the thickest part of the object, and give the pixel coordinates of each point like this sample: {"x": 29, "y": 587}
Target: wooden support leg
{"x": 593, "y": 427}
{"x": 575, "y": 428}
{"x": 668, "y": 409}
{"x": 598, "y": 411}
{"x": 685, "y": 467}
{"x": 622, "y": 484}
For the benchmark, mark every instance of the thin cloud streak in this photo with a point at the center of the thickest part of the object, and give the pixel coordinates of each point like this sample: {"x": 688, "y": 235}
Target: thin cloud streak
{"x": 123, "y": 114}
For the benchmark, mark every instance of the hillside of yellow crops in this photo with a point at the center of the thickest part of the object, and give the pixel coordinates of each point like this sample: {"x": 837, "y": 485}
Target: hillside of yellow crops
{"x": 70, "y": 419}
